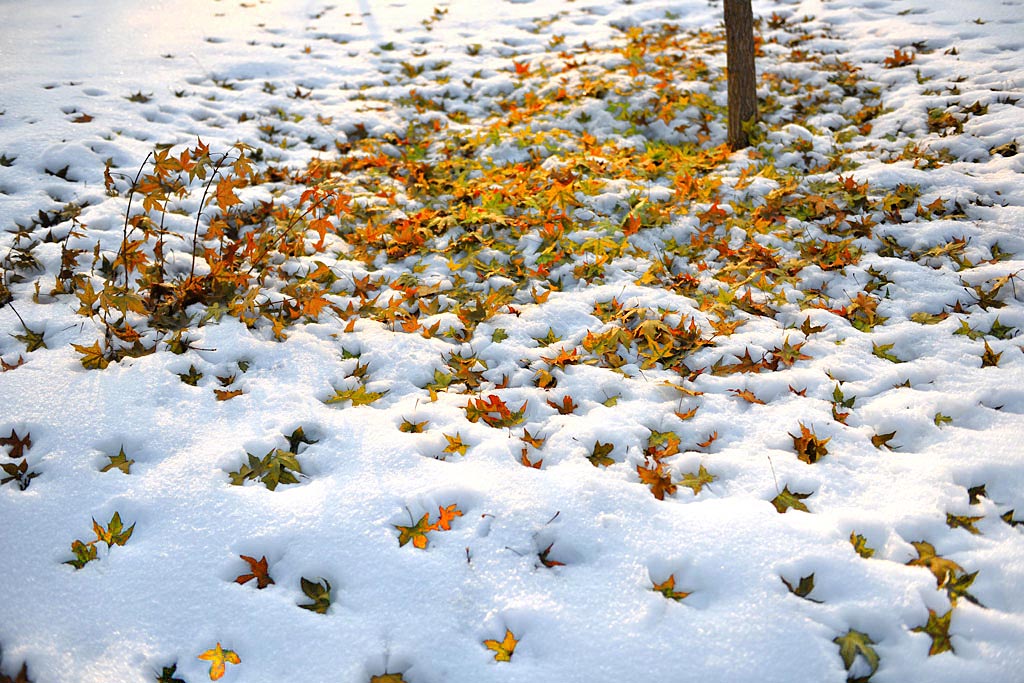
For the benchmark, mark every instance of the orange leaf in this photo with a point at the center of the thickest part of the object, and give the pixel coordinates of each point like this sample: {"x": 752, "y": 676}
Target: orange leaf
{"x": 526, "y": 461}
{"x": 747, "y": 395}
{"x": 227, "y": 395}
{"x": 259, "y": 571}
{"x": 446, "y": 515}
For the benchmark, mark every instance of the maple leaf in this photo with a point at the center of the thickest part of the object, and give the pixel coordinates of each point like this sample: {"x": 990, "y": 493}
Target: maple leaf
{"x": 455, "y": 444}
{"x": 387, "y": 678}
{"x": 803, "y": 587}
{"x": 84, "y": 554}
{"x": 860, "y": 544}
{"x": 227, "y": 394}
{"x": 319, "y": 592}
{"x": 975, "y": 494}
{"x": 1008, "y": 518}
{"x": 412, "y": 427}
{"x": 257, "y": 570}
{"x": 957, "y": 586}
{"x": 808, "y": 329}
{"x": 882, "y": 351}
{"x": 787, "y": 354}
{"x": 167, "y": 675}
{"x": 92, "y": 356}
{"x": 19, "y": 473}
{"x": 747, "y": 396}
{"x": 940, "y": 567}
{"x": 119, "y": 461}
{"x": 658, "y": 479}
{"x": 218, "y": 658}
{"x": 225, "y": 192}
{"x": 855, "y": 643}
{"x": 545, "y": 560}
{"x": 712, "y": 437}
{"x": 20, "y": 677}
{"x": 988, "y": 359}
{"x": 526, "y": 462}
{"x": 494, "y": 412}
{"x": 668, "y": 589}
{"x": 566, "y": 407}
{"x": 416, "y": 533}
{"x": 809, "y": 448}
{"x": 963, "y": 522}
{"x": 31, "y": 339}
{"x": 358, "y": 396}
{"x": 938, "y": 629}
{"x": 600, "y": 457}
{"x": 879, "y": 440}
{"x": 5, "y": 366}
{"x": 17, "y": 444}
{"x": 297, "y": 438}
{"x": 696, "y": 482}
{"x": 534, "y": 441}
{"x": 446, "y": 515}
{"x": 503, "y": 650}
{"x": 790, "y": 499}
{"x": 191, "y": 377}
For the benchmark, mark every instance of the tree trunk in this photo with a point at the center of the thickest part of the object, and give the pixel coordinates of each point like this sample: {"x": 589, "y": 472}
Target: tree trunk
{"x": 739, "y": 36}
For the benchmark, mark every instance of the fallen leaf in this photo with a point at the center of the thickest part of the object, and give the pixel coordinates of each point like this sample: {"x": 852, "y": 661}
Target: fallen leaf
{"x": 856, "y": 643}
{"x": 790, "y": 499}
{"x": 546, "y": 561}
{"x": 600, "y": 457}
{"x": 446, "y": 515}
{"x": 503, "y": 651}
{"x": 938, "y": 629}
{"x": 217, "y": 658}
{"x": 416, "y": 533}
{"x": 17, "y": 444}
{"x": 257, "y": 570}
{"x": 668, "y": 589}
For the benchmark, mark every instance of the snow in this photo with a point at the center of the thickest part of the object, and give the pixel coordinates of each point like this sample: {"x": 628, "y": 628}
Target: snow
{"x": 168, "y": 594}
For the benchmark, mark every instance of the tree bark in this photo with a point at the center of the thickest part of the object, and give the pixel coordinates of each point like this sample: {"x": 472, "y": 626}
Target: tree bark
{"x": 739, "y": 36}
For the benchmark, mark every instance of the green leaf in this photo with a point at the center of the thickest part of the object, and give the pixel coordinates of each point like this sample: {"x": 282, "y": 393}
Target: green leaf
{"x": 191, "y": 377}
{"x": 499, "y": 335}
{"x": 803, "y": 588}
{"x": 167, "y": 675}
{"x": 84, "y": 554}
{"x": 358, "y": 396}
{"x": 696, "y": 482}
{"x": 319, "y": 592}
{"x": 297, "y": 439}
{"x": 882, "y": 351}
{"x": 789, "y": 499}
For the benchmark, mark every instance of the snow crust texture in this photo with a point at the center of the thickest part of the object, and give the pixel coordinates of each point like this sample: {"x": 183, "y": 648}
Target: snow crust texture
{"x": 434, "y": 342}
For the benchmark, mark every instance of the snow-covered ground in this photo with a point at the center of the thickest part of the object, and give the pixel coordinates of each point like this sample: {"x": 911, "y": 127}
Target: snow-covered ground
{"x": 892, "y": 129}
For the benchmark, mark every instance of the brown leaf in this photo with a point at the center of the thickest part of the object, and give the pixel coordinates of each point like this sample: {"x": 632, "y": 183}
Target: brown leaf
{"x": 17, "y": 444}
{"x": 258, "y": 570}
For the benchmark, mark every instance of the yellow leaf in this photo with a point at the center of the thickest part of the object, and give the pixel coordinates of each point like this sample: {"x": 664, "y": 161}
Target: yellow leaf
{"x": 217, "y": 657}
{"x": 503, "y": 650}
